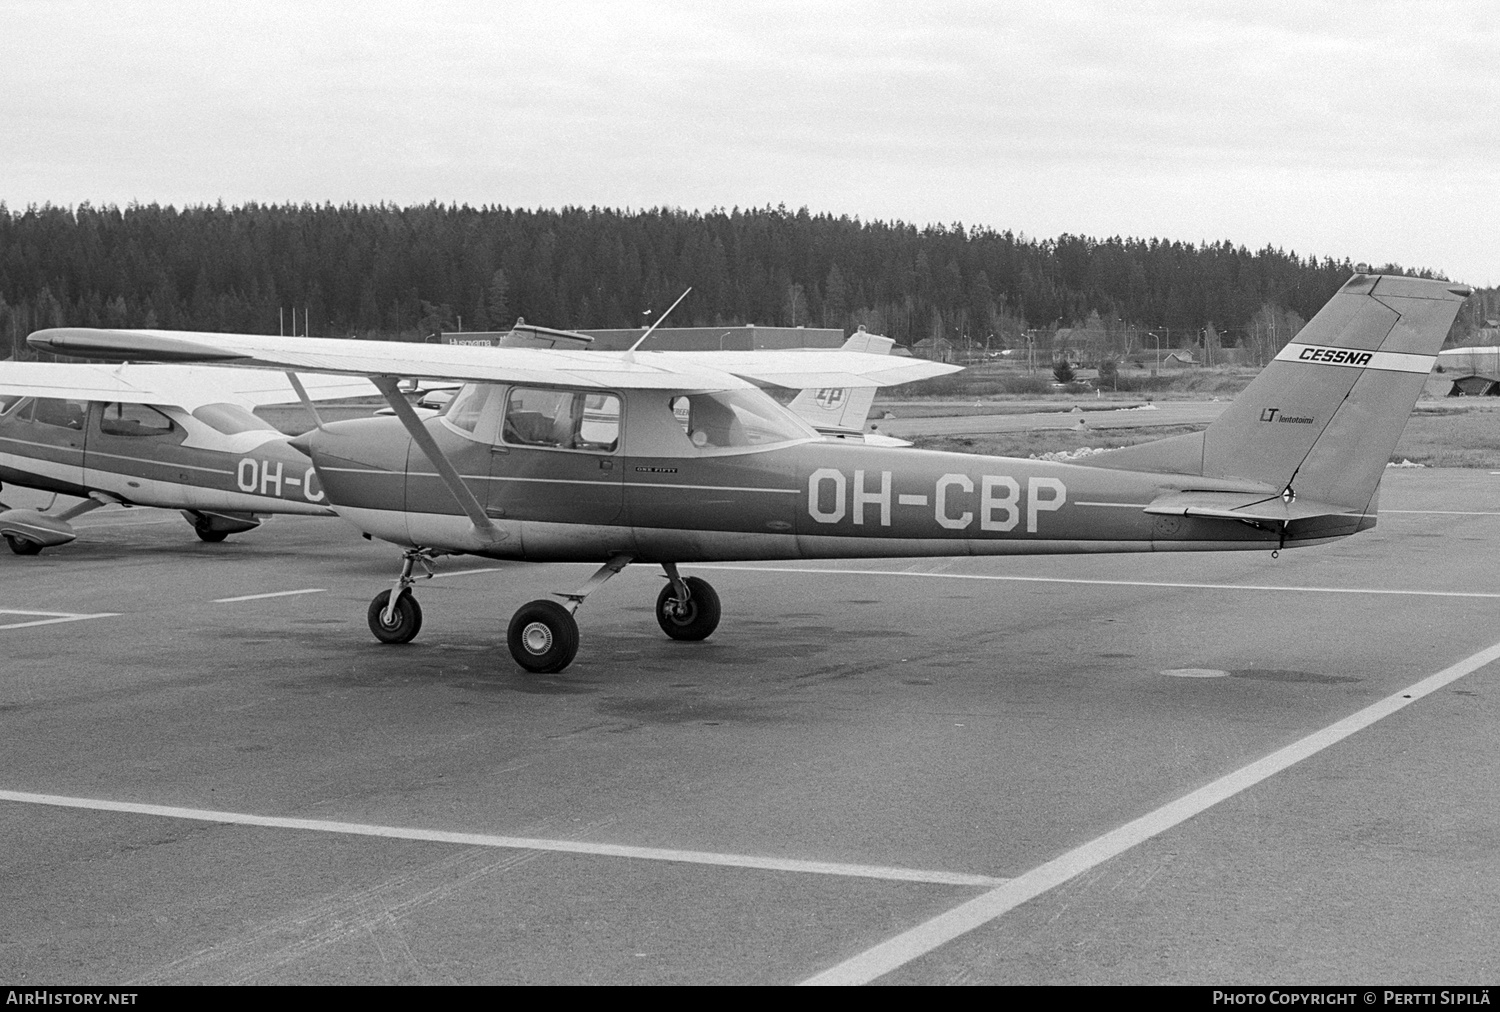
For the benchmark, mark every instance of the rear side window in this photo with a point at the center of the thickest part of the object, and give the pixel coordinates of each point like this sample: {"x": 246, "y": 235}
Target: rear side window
{"x": 563, "y": 419}
{"x": 65, "y": 414}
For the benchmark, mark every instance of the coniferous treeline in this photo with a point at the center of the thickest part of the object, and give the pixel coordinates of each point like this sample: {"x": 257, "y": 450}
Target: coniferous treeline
{"x": 392, "y": 272}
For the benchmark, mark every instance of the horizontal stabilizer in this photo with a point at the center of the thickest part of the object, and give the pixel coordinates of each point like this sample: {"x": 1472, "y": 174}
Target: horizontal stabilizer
{"x": 1258, "y": 507}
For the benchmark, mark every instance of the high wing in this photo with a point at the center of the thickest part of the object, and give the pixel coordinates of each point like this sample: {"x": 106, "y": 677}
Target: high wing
{"x": 638, "y": 370}
{"x": 185, "y": 386}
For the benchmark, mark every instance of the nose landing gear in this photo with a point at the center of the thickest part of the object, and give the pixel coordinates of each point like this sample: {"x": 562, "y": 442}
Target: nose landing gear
{"x": 394, "y": 615}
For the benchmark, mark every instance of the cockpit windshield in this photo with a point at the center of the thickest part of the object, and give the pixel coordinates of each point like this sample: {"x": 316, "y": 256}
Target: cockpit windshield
{"x": 725, "y": 419}
{"x": 231, "y": 419}
{"x": 475, "y": 411}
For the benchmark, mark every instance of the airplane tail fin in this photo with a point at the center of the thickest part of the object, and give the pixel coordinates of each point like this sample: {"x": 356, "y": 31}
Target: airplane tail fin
{"x": 834, "y": 409}
{"x": 842, "y": 409}
{"x": 1320, "y": 421}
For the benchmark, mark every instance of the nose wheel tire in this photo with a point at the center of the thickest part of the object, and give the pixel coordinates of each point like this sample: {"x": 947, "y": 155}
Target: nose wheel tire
{"x": 23, "y": 546}
{"x": 543, "y": 637}
{"x": 694, "y": 620}
{"x": 407, "y": 620}
{"x": 206, "y": 533}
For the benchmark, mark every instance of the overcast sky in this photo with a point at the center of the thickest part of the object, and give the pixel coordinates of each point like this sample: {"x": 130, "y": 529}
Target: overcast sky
{"x": 1369, "y": 131}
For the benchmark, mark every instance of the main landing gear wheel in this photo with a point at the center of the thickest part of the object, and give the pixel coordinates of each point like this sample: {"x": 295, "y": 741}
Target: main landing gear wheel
{"x": 404, "y": 626}
{"x": 207, "y": 533}
{"x": 694, "y": 619}
{"x": 543, "y": 637}
{"x": 23, "y": 546}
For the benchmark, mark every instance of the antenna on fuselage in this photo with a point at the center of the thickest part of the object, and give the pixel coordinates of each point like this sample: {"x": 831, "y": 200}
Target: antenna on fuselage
{"x": 630, "y": 352}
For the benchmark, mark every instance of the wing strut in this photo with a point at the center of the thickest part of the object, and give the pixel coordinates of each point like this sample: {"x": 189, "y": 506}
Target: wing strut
{"x": 306, "y": 400}
{"x": 388, "y": 385}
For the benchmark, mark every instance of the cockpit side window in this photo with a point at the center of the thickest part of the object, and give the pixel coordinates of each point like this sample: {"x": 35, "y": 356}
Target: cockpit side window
{"x": 475, "y": 411}
{"x": 562, "y": 419}
{"x": 133, "y": 420}
{"x": 65, "y": 414}
{"x": 9, "y": 401}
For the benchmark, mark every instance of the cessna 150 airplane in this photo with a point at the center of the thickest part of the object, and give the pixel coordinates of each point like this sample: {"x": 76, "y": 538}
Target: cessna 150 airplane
{"x": 179, "y": 437}
{"x": 672, "y": 458}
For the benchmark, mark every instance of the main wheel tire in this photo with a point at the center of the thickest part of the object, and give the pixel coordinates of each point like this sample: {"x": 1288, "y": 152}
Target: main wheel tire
{"x": 408, "y": 618}
{"x": 695, "y": 620}
{"x": 23, "y": 546}
{"x": 203, "y": 527}
{"x": 543, "y": 636}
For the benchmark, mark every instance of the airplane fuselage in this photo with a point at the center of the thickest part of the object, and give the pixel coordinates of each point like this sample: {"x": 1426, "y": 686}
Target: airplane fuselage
{"x": 808, "y": 499}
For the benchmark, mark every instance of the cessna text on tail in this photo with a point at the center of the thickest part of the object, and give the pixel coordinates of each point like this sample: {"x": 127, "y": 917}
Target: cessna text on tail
{"x": 673, "y": 458}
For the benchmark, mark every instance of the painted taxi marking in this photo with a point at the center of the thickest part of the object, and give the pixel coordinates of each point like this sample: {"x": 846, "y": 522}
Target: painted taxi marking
{"x": 836, "y": 868}
{"x": 901, "y": 949}
{"x": 261, "y": 597}
{"x": 50, "y": 617}
{"x": 1164, "y": 584}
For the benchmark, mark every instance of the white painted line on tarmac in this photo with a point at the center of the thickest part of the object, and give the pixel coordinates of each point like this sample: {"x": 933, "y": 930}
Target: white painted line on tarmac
{"x": 1448, "y": 513}
{"x": 51, "y": 617}
{"x": 262, "y": 597}
{"x": 890, "y": 874}
{"x": 1164, "y": 584}
{"x": 907, "y": 946}
{"x": 469, "y": 572}
{"x": 90, "y": 525}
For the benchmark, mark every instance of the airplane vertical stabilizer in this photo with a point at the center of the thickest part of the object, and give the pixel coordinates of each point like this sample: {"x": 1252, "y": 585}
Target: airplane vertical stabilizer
{"x": 1324, "y": 416}
{"x": 842, "y": 409}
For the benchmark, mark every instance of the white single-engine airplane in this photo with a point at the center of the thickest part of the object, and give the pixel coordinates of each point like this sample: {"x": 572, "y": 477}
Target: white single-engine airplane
{"x": 173, "y": 436}
{"x": 672, "y": 458}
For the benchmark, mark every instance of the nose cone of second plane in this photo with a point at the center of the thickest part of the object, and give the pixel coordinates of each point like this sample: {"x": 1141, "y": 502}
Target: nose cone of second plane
{"x": 374, "y": 442}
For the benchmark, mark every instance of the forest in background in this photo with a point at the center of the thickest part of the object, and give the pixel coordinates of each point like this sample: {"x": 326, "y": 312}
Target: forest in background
{"x": 403, "y": 273}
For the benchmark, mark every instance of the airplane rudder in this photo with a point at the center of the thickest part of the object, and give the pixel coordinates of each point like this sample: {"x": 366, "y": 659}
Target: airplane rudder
{"x": 1327, "y": 411}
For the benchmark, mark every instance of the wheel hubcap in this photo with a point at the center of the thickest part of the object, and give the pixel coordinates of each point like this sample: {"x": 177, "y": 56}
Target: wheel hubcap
{"x": 536, "y": 638}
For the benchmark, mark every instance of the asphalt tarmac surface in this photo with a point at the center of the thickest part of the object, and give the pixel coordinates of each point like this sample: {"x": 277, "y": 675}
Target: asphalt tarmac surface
{"x": 1126, "y": 769}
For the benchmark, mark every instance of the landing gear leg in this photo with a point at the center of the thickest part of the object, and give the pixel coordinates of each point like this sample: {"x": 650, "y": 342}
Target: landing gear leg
{"x": 687, "y": 607}
{"x": 394, "y": 615}
{"x": 543, "y": 635}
